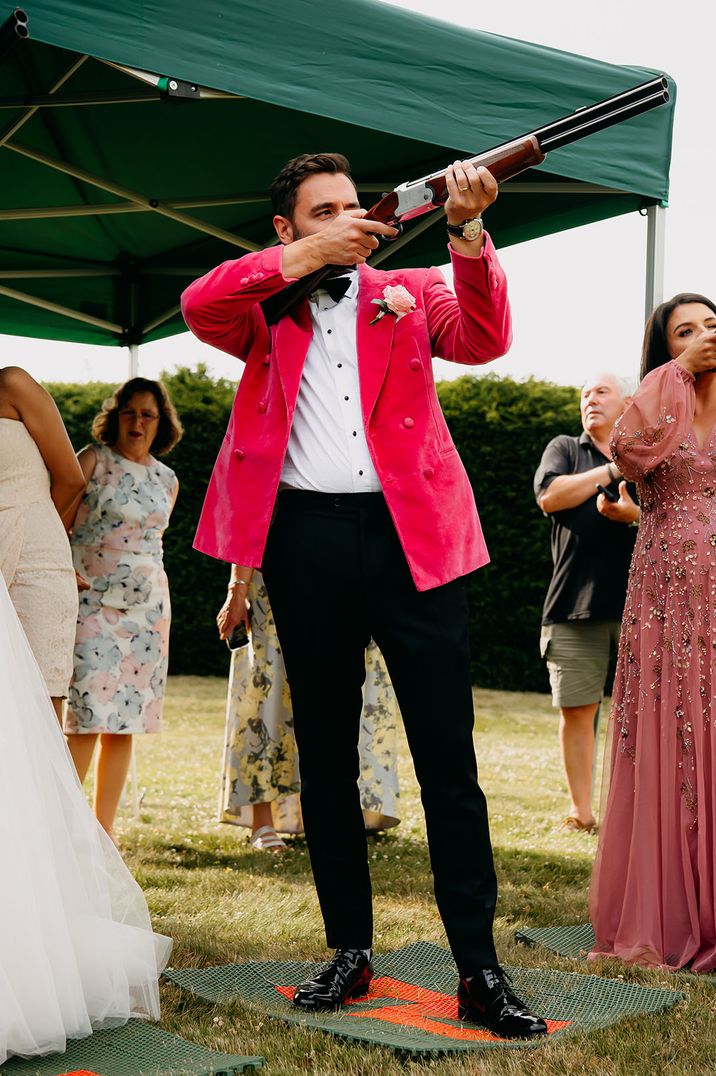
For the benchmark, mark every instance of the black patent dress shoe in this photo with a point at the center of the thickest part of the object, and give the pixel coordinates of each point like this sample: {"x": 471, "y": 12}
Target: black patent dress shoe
{"x": 347, "y": 976}
{"x": 487, "y": 999}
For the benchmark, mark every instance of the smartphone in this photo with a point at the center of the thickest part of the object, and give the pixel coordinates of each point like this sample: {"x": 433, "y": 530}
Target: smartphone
{"x": 239, "y": 636}
{"x": 608, "y": 493}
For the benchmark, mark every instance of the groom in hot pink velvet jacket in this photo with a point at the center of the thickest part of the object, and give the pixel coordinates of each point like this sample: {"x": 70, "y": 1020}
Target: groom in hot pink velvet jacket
{"x": 339, "y": 479}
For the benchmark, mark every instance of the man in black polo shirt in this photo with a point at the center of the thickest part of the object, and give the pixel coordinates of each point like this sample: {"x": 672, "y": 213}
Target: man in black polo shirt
{"x": 592, "y": 542}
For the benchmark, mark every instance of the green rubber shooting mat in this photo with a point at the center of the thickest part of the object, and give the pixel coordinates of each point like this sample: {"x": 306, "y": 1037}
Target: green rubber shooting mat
{"x": 575, "y": 942}
{"x": 578, "y": 941}
{"x": 411, "y": 1005}
{"x": 137, "y": 1049}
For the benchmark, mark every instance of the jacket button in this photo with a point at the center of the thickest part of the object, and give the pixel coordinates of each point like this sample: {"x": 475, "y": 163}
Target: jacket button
{"x": 415, "y": 364}
{"x": 408, "y": 423}
{"x": 428, "y": 472}
{"x": 262, "y": 408}
{"x": 267, "y": 360}
{"x": 239, "y": 453}
{"x": 493, "y": 280}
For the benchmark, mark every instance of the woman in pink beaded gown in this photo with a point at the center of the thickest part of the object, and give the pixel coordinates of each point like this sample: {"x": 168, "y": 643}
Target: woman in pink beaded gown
{"x": 653, "y": 893}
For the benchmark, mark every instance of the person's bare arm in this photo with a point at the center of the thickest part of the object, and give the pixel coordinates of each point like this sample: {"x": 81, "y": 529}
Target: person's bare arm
{"x": 174, "y": 496}
{"x": 234, "y": 610}
{"x": 87, "y": 461}
{"x": 569, "y": 490}
{"x": 38, "y": 413}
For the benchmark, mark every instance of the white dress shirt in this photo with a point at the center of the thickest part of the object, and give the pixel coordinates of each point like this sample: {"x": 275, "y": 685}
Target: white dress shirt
{"x": 327, "y": 449}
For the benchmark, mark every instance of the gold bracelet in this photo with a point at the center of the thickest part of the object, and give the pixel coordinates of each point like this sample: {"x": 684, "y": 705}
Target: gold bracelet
{"x": 238, "y": 583}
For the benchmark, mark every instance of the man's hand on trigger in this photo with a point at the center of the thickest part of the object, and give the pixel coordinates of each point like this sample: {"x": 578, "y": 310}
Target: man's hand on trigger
{"x": 350, "y": 238}
{"x": 625, "y": 510}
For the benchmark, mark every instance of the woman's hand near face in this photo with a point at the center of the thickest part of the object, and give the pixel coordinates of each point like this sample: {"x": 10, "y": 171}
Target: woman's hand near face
{"x": 699, "y": 356}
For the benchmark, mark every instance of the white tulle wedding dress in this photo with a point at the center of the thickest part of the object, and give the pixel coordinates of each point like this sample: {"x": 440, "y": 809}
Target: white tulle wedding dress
{"x": 77, "y": 951}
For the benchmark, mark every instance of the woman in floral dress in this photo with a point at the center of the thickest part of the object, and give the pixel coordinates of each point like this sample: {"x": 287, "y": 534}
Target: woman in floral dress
{"x": 260, "y": 783}
{"x": 122, "y": 642}
{"x": 653, "y": 895}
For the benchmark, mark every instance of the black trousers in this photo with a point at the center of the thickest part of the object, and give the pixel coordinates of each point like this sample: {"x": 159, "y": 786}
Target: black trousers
{"x": 345, "y": 547}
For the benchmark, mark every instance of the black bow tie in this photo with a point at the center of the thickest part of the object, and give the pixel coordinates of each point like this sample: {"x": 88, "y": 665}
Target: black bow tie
{"x": 336, "y": 286}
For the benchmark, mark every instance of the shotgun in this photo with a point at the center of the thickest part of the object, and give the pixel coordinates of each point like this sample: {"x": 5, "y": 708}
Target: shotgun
{"x": 419, "y": 196}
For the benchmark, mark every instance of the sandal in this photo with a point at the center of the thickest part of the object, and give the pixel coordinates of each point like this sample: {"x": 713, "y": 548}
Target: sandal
{"x": 572, "y": 823}
{"x": 266, "y": 839}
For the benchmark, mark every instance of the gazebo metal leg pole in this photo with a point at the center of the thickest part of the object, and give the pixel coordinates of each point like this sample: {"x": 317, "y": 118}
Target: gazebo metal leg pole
{"x": 133, "y": 364}
{"x": 655, "y": 239}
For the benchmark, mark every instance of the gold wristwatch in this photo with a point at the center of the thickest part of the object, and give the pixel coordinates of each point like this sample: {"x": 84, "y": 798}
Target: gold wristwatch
{"x": 469, "y": 229}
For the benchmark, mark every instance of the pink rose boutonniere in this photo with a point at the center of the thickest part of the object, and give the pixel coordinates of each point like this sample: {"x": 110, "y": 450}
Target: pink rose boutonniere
{"x": 396, "y": 301}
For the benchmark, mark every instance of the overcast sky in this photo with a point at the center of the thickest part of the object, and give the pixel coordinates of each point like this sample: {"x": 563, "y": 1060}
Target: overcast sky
{"x": 577, "y": 297}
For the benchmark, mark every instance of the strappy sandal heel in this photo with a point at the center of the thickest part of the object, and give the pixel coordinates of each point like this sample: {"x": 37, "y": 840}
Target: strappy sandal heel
{"x": 266, "y": 839}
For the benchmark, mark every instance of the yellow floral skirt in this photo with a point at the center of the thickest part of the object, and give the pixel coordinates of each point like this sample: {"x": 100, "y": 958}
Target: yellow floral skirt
{"x": 260, "y": 763}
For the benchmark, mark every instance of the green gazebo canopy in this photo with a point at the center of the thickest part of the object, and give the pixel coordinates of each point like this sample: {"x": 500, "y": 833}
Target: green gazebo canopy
{"x": 116, "y": 192}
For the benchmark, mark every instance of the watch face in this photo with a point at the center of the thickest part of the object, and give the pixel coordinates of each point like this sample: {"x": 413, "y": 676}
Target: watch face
{"x": 472, "y": 229}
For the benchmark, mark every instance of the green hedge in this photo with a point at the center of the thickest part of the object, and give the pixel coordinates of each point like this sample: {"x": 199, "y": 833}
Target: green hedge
{"x": 500, "y": 427}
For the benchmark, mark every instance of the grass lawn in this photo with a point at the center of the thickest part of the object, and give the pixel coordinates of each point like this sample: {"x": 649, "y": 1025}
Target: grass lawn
{"x": 222, "y": 902}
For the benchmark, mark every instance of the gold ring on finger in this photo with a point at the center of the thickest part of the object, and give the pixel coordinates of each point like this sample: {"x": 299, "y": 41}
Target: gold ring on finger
{"x": 463, "y": 189}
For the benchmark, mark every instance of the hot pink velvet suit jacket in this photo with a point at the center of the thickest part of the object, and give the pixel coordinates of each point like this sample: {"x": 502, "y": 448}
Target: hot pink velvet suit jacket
{"x": 424, "y": 482}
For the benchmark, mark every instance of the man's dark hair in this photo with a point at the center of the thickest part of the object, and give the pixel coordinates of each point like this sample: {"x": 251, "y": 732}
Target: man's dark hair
{"x": 285, "y": 186}
{"x": 655, "y": 351}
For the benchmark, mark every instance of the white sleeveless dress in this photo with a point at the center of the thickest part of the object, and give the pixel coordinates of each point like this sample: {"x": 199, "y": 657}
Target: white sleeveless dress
{"x": 77, "y": 952}
{"x": 35, "y": 557}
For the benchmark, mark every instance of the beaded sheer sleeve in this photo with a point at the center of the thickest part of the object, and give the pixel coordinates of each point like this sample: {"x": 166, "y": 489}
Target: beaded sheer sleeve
{"x": 656, "y": 424}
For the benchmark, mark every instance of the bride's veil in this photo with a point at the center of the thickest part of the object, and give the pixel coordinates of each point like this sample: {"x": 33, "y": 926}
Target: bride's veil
{"x": 77, "y": 951}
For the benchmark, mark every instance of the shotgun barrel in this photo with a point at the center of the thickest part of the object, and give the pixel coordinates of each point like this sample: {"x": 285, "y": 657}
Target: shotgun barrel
{"x": 593, "y": 118}
{"x": 579, "y": 124}
{"x": 12, "y": 32}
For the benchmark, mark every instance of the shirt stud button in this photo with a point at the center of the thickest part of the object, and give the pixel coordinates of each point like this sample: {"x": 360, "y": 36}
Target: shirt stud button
{"x": 408, "y": 423}
{"x": 239, "y": 453}
{"x": 262, "y": 408}
{"x": 415, "y": 364}
{"x": 428, "y": 472}
{"x": 267, "y": 360}
{"x": 346, "y": 397}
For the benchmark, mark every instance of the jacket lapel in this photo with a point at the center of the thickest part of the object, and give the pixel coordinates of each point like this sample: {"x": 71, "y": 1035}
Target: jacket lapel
{"x": 373, "y": 342}
{"x": 292, "y": 340}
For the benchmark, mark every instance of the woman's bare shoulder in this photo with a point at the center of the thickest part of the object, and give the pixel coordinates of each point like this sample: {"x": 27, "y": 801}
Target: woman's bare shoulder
{"x": 16, "y": 388}
{"x": 17, "y": 384}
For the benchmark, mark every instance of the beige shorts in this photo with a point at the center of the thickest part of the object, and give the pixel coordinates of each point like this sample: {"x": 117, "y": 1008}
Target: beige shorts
{"x": 577, "y": 654}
